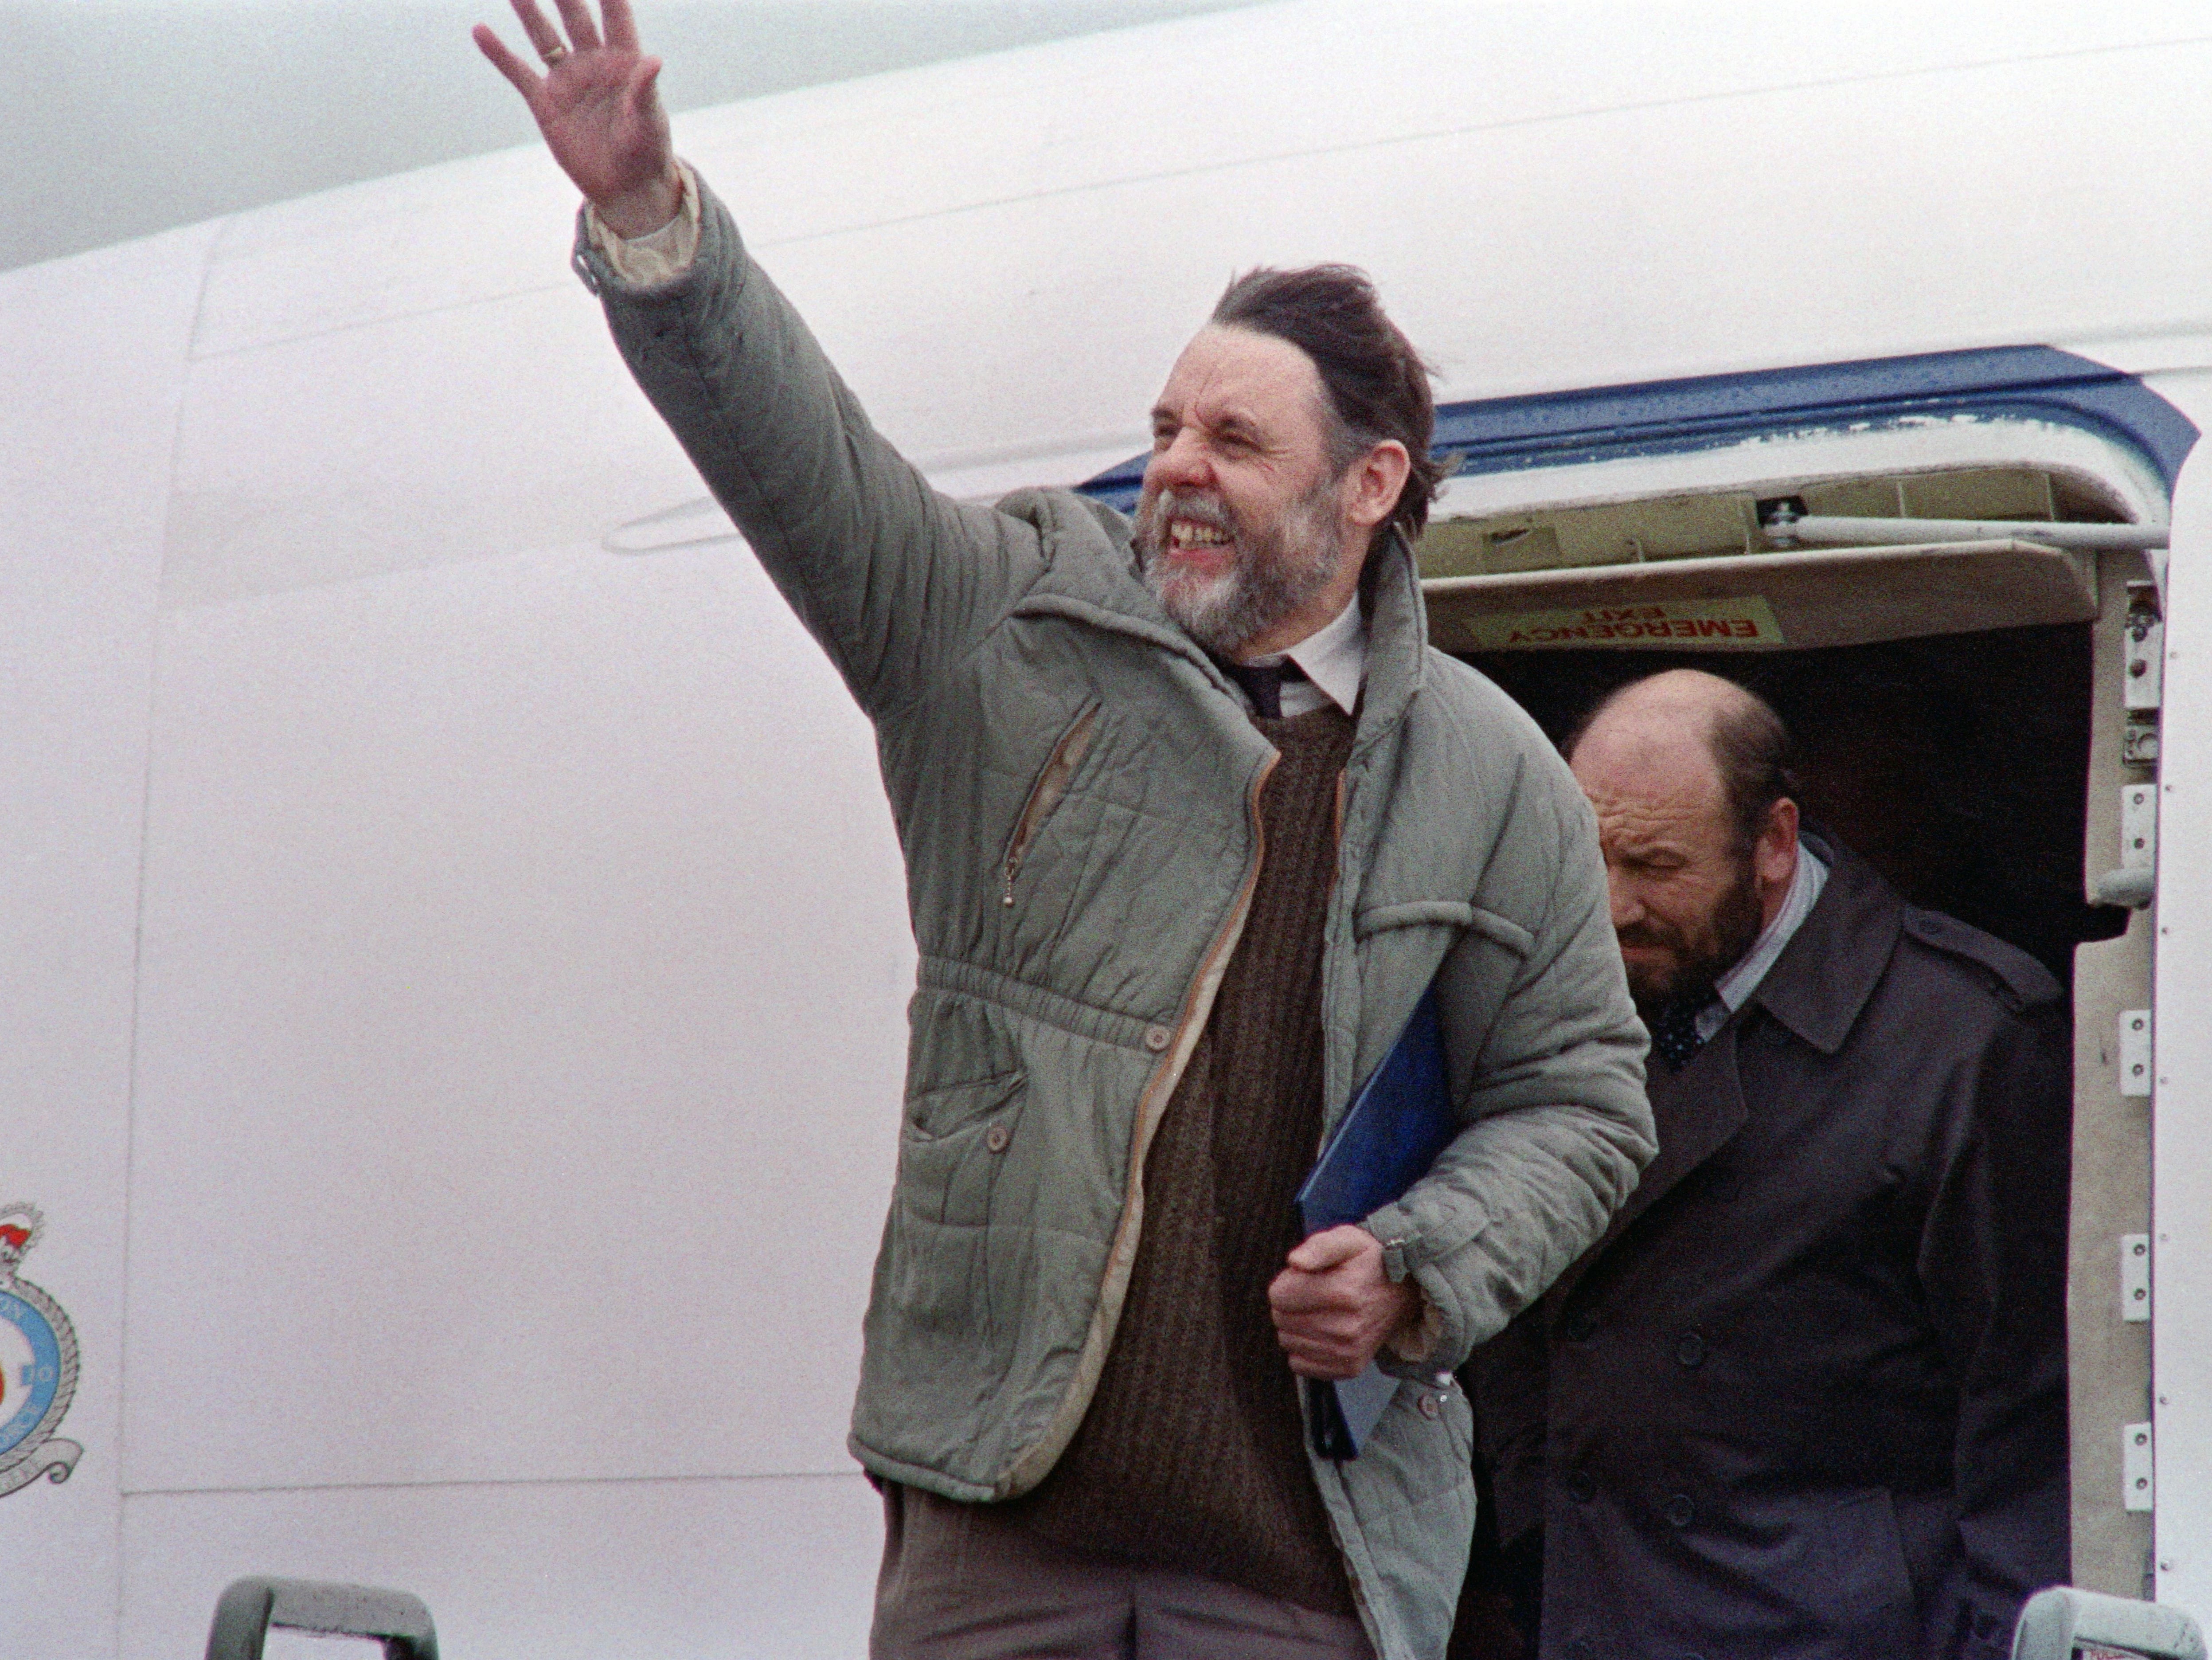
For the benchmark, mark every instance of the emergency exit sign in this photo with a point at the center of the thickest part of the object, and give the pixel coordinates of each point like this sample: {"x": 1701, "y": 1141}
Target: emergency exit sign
{"x": 1675, "y": 625}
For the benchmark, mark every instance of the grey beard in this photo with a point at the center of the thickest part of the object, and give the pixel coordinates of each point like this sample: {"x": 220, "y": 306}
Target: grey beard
{"x": 1278, "y": 570}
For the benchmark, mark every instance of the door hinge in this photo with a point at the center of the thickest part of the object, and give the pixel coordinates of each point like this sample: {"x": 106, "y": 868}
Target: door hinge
{"x": 2145, "y": 666}
{"x": 2142, "y": 671}
{"x": 2139, "y": 827}
{"x": 2135, "y": 1052}
{"x": 2136, "y": 1490}
{"x": 2135, "y": 1276}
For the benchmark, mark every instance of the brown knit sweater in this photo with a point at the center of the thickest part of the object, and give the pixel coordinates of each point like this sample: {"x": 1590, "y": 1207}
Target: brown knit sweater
{"x": 1192, "y": 1454}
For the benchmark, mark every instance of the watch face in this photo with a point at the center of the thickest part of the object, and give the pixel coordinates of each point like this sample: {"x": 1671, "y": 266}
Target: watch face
{"x": 30, "y": 1369}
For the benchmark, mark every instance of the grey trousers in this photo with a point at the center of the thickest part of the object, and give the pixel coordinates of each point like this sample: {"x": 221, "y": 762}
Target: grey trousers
{"x": 954, "y": 1587}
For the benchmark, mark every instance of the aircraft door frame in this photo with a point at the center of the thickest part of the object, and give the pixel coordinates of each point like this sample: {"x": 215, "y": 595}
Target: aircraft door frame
{"x": 2181, "y": 1120}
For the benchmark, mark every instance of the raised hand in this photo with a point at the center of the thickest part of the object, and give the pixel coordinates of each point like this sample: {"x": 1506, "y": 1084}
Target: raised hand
{"x": 597, "y": 106}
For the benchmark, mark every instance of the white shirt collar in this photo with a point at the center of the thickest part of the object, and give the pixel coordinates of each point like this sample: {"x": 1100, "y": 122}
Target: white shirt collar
{"x": 1334, "y": 658}
{"x": 1733, "y": 989}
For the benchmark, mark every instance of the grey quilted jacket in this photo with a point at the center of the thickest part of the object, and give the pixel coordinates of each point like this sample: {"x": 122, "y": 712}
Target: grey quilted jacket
{"x": 1075, "y": 786}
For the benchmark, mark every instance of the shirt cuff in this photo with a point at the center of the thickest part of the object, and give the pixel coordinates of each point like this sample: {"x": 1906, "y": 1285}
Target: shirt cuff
{"x": 1417, "y": 1344}
{"x": 660, "y": 256}
{"x": 1411, "y": 1345}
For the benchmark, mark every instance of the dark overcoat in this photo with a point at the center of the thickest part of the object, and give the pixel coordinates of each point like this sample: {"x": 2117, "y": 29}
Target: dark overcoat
{"x": 1806, "y": 1398}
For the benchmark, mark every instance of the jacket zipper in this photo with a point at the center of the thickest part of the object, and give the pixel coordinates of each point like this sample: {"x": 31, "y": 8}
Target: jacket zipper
{"x": 1028, "y": 1468}
{"x": 1045, "y": 794}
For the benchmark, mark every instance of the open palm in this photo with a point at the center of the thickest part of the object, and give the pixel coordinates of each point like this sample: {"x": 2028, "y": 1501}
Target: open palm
{"x": 597, "y": 106}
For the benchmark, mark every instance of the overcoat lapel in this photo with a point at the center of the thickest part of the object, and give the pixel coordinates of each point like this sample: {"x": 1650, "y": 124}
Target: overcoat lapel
{"x": 1697, "y": 1111}
{"x": 1823, "y": 979}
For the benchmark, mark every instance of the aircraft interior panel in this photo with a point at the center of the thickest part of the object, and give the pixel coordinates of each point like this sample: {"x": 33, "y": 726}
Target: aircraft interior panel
{"x": 1825, "y": 597}
{"x": 2108, "y": 1358}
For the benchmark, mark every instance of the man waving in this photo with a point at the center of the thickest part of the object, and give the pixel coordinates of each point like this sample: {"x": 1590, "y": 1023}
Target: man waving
{"x": 1192, "y": 816}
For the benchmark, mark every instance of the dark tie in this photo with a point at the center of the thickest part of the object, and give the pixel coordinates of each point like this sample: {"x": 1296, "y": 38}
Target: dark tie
{"x": 1674, "y": 1034}
{"x": 1262, "y": 683}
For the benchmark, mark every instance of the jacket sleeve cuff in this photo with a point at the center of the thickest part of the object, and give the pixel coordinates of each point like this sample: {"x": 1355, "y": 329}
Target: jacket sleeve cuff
{"x": 1450, "y": 1323}
{"x": 643, "y": 262}
{"x": 1414, "y": 1347}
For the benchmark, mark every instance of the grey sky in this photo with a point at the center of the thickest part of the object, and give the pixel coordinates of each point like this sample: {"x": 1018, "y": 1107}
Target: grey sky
{"x": 131, "y": 115}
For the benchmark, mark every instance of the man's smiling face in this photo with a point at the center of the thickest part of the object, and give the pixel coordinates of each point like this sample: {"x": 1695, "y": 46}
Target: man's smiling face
{"x": 1240, "y": 529}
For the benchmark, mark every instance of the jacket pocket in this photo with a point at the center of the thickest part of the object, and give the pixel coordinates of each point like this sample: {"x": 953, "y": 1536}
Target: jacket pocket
{"x": 1863, "y": 1586}
{"x": 1046, "y": 792}
{"x": 953, "y": 1146}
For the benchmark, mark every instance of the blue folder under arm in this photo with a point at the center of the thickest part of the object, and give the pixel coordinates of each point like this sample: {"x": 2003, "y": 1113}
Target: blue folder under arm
{"x": 1389, "y": 1138}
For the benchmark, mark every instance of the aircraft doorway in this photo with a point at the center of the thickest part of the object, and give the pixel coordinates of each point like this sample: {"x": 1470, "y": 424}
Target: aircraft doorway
{"x": 1957, "y": 766}
{"x": 1961, "y": 722}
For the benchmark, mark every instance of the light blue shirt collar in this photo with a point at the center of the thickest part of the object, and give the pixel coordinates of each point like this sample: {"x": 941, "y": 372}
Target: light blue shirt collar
{"x": 1734, "y": 989}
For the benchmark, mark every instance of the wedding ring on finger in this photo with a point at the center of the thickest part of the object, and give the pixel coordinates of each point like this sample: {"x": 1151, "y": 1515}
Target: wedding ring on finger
{"x": 553, "y": 56}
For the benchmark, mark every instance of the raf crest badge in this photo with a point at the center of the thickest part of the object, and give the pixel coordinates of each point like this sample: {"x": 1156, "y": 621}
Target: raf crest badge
{"x": 38, "y": 1364}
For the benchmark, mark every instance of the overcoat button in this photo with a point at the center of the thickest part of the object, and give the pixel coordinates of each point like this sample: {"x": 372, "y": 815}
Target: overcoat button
{"x": 1579, "y": 1327}
{"x": 1156, "y": 1038}
{"x": 996, "y": 1137}
{"x": 1581, "y": 1648}
{"x": 1681, "y": 1511}
{"x": 1581, "y": 1488}
{"x": 1430, "y": 1406}
{"x": 1691, "y": 1350}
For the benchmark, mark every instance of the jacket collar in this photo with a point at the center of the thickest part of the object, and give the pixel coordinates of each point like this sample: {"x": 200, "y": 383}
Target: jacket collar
{"x": 1823, "y": 977}
{"x": 1093, "y": 578}
{"x": 1397, "y": 638}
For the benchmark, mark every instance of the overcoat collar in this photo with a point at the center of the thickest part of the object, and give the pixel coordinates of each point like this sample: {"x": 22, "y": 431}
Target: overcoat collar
{"x": 1823, "y": 977}
{"x": 1397, "y": 638}
{"x": 1816, "y": 989}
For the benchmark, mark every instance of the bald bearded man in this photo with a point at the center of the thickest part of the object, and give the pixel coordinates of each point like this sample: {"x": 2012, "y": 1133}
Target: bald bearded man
{"x": 1806, "y": 1396}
